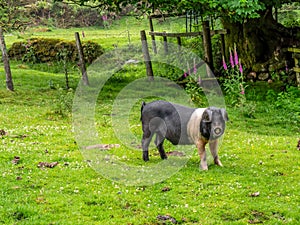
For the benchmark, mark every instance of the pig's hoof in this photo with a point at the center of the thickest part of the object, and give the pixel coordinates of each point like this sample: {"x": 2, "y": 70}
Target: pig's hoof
{"x": 219, "y": 163}
{"x": 203, "y": 168}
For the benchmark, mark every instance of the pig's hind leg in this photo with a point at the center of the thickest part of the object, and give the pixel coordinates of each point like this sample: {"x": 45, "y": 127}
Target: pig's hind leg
{"x": 147, "y": 136}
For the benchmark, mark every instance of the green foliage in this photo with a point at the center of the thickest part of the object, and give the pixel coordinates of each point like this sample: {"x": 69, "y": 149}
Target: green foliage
{"x": 289, "y": 15}
{"x": 67, "y": 15}
{"x": 288, "y": 101}
{"x": 62, "y": 104}
{"x": 234, "y": 86}
{"x": 195, "y": 91}
{"x": 195, "y": 45}
{"x": 18, "y": 15}
{"x": 65, "y": 51}
{"x": 233, "y": 80}
{"x": 189, "y": 82}
{"x": 12, "y": 15}
{"x": 91, "y": 51}
{"x": 40, "y": 50}
{"x": 235, "y": 10}
{"x": 235, "y": 92}
{"x": 21, "y": 14}
{"x": 240, "y": 10}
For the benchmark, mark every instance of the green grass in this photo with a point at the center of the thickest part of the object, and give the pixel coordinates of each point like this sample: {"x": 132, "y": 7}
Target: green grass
{"x": 259, "y": 156}
{"x": 121, "y": 32}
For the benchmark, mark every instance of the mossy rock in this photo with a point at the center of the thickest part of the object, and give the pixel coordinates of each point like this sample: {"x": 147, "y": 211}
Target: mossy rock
{"x": 44, "y": 49}
{"x": 66, "y": 50}
{"x": 91, "y": 51}
{"x": 41, "y": 50}
{"x": 17, "y": 50}
{"x": 276, "y": 66}
{"x": 259, "y": 67}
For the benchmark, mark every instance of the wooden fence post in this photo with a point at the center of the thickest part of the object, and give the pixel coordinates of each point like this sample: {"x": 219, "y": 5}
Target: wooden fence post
{"x": 9, "y": 81}
{"x": 146, "y": 56}
{"x": 179, "y": 43}
{"x": 296, "y": 56}
{"x": 81, "y": 60}
{"x": 165, "y": 43}
{"x": 207, "y": 44}
{"x": 152, "y": 36}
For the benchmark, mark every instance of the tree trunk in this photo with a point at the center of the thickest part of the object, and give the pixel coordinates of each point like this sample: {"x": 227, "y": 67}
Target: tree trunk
{"x": 9, "y": 81}
{"x": 258, "y": 40}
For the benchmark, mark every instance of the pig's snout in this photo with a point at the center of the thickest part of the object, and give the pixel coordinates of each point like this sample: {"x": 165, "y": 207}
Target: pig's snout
{"x": 218, "y": 131}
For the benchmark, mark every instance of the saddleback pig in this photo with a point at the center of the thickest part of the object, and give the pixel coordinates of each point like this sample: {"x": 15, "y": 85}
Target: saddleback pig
{"x": 182, "y": 125}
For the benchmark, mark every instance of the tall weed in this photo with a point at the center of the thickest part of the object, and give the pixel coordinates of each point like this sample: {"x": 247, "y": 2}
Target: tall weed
{"x": 62, "y": 104}
{"x": 235, "y": 86}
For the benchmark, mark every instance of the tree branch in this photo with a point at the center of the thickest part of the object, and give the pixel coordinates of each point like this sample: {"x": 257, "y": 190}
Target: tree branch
{"x": 86, "y": 4}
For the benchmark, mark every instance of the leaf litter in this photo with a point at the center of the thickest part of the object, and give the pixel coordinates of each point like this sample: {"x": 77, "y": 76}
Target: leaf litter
{"x": 167, "y": 218}
{"x": 47, "y": 164}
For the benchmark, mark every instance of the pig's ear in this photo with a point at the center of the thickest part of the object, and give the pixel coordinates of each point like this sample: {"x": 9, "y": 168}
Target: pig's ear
{"x": 207, "y": 116}
{"x": 224, "y": 114}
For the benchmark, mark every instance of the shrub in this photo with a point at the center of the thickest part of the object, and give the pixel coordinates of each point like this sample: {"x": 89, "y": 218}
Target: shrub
{"x": 91, "y": 51}
{"x": 66, "y": 51}
{"x": 41, "y": 50}
{"x": 17, "y": 51}
{"x": 287, "y": 101}
{"x": 62, "y": 104}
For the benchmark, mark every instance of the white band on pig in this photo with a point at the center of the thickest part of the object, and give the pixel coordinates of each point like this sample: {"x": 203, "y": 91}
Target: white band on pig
{"x": 193, "y": 126}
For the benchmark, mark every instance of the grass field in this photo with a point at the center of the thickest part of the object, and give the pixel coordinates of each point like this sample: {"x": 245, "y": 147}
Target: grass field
{"x": 119, "y": 33}
{"x": 259, "y": 182}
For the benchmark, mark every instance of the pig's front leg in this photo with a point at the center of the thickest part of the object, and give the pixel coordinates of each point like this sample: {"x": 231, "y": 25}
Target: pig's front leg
{"x": 214, "y": 152}
{"x": 202, "y": 153}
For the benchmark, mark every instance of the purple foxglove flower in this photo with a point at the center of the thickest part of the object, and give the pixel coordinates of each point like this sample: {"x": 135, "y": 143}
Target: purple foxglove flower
{"x": 104, "y": 17}
{"x": 224, "y": 63}
{"x": 199, "y": 80}
{"x": 231, "y": 58}
{"x": 185, "y": 75}
{"x": 236, "y": 57}
{"x": 195, "y": 67}
{"x": 240, "y": 68}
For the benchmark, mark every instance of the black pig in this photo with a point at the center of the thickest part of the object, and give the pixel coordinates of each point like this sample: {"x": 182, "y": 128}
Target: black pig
{"x": 182, "y": 126}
